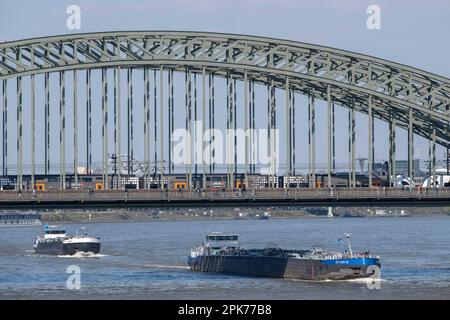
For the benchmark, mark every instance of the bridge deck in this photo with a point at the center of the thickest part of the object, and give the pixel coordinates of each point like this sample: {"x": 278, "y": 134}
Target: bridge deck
{"x": 302, "y": 197}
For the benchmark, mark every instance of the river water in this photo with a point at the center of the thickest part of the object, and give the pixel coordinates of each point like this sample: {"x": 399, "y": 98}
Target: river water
{"x": 148, "y": 260}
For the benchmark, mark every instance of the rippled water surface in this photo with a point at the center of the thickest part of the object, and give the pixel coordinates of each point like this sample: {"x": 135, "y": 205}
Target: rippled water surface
{"x": 148, "y": 260}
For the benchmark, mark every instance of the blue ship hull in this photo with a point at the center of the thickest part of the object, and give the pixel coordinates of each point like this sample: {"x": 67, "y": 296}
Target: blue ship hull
{"x": 286, "y": 267}
{"x": 353, "y": 261}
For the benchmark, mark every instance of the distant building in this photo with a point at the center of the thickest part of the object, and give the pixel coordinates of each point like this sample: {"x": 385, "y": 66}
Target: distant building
{"x": 381, "y": 168}
{"x": 401, "y": 167}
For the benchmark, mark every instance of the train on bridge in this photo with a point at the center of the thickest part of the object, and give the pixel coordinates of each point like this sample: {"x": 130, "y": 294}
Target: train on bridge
{"x": 178, "y": 181}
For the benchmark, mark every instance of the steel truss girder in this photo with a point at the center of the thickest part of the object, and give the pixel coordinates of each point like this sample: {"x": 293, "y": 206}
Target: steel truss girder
{"x": 352, "y": 77}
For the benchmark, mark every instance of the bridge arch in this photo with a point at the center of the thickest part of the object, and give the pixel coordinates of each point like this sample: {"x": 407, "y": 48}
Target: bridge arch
{"x": 403, "y": 96}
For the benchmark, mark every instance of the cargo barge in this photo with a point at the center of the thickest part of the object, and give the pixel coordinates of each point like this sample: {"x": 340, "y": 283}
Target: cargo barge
{"x": 55, "y": 241}
{"x": 221, "y": 253}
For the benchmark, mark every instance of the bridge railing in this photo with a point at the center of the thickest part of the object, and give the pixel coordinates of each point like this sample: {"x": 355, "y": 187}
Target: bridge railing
{"x": 221, "y": 195}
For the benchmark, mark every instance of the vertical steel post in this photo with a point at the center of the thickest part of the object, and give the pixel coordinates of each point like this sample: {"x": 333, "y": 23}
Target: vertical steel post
{"x": 105, "y": 127}
{"x": 88, "y": 122}
{"x": 62, "y": 131}
{"x": 312, "y": 140}
{"x": 269, "y": 123}
{"x": 353, "y": 146}
{"x": 155, "y": 127}
{"x": 189, "y": 127}
{"x": 130, "y": 139}
{"x": 75, "y": 128}
{"x": 309, "y": 144}
{"x": 246, "y": 112}
{"x": 228, "y": 152}
{"x": 195, "y": 128}
{"x": 410, "y": 146}
{"x": 333, "y": 118}
{"x": 447, "y": 145}
{"x": 293, "y": 133}
{"x": 349, "y": 122}
{"x": 288, "y": 141}
{"x": 186, "y": 111}
{"x": 203, "y": 125}
{"x": 392, "y": 147}
{"x": 19, "y": 135}
{"x": 250, "y": 125}
{"x": 433, "y": 155}
{"x": 273, "y": 136}
{"x": 33, "y": 131}
{"x": 170, "y": 117}
{"x": 330, "y": 134}
{"x": 146, "y": 128}
{"x": 430, "y": 153}
{"x": 47, "y": 124}
{"x": 253, "y": 124}
{"x": 234, "y": 134}
{"x": 5, "y": 126}
{"x": 213, "y": 119}
{"x": 161, "y": 126}
{"x": 117, "y": 127}
{"x": 370, "y": 140}
{"x": 210, "y": 123}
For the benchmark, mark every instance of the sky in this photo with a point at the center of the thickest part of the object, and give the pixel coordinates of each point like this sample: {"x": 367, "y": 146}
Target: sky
{"x": 412, "y": 32}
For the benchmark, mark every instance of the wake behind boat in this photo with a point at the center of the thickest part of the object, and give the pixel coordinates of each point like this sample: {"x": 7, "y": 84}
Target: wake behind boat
{"x": 55, "y": 241}
{"x": 222, "y": 254}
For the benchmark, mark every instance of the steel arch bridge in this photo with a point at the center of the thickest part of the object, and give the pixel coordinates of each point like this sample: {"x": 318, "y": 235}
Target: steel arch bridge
{"x": 403, "y": 96}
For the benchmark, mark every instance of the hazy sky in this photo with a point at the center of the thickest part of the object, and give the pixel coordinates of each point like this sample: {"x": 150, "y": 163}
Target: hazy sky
{"x": 412, "y": 32}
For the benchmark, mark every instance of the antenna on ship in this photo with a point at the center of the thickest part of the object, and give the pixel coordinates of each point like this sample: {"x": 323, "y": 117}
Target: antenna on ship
{"x": 347, "y": 235}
